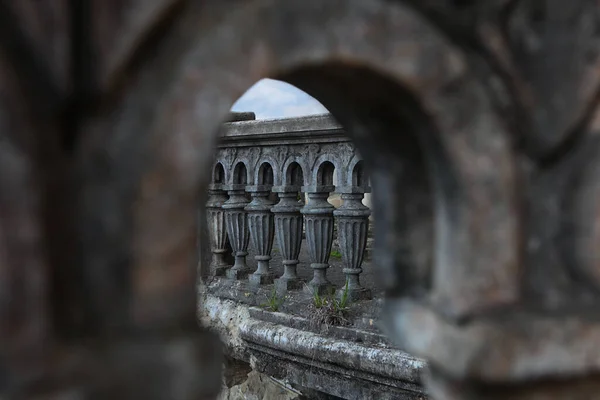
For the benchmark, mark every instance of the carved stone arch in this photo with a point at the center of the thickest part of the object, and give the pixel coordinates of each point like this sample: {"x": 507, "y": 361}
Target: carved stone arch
{"x": 250, "y": 157}
{"x": 350, "y": 169}
{"x": 219, "y": 173}
{"x": 302, "y": 162}
{"x": 233, "y": 178}
{"x": 339, "y": 175}
{"x": 274, "y": 165}
{"x": 419, "y": 115}
{"x": 469, "y": 196}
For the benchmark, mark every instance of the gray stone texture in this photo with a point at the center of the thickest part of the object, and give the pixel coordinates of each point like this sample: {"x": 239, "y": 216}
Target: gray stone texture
{"x": 478, "y": 122}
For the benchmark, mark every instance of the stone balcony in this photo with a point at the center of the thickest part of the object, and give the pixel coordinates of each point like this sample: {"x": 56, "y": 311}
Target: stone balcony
{"x": 287, "y": 277}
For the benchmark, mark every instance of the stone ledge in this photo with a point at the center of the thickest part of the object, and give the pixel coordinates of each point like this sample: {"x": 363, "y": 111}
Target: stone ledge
{"x": 384, "y": 362}
{"x": 339, "y": 332}
{"x": 310, "y": 375}
{"x": 360, "y": 366}
{"x": 296, "y": 303}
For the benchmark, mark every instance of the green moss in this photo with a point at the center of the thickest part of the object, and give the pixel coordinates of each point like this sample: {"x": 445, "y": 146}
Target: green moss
{"x": 335, "y": 254}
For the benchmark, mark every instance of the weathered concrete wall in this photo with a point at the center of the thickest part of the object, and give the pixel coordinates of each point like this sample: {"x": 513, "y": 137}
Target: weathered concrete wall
{"x": 479, "y": 121}
{"x": 282, "y": 346}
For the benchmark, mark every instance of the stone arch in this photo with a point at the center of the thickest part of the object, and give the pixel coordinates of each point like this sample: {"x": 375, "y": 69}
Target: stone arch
{"x": 357, "y": 166}
{"x": 435, "y": 107}
{"x": 294, "y": 175}
{"x": 358, "y": 174}
{"x": 301, "y": 162}
{"x": 240, "y": 174}
{"x": 265, "y": 174}
{"x": 218, "y": 176}
{"x": 276, "y": 169}
{"x": 326, "y": 163}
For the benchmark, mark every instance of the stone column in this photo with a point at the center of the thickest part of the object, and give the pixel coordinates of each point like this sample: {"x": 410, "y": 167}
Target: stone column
{"x": 353, "y": 228}
{"x": 217, "y": 231}
{"x": 237, "y": 230}
{"x": 318, "y": 219}
{"x": 288, "y": 227}
{"x": 262, "y": 231}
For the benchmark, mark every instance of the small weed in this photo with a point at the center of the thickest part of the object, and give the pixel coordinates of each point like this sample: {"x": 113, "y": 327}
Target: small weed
{"x": 342, "y": 304}
{"x": 273, "y": 302}
{"x": 319, "y": 301}
{"x": 335, "y": 254}
{"x": 328, "y": 310}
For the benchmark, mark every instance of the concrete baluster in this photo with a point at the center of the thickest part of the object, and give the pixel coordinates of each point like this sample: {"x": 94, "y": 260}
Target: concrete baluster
{"x": 237, "y": 230}
{"x": 262, "y": 231}
{"x": 353, "y": 228}
{"x": 318, "y": 219}
{"x": 288, "y": 227}
{"x": 217, "y": 230}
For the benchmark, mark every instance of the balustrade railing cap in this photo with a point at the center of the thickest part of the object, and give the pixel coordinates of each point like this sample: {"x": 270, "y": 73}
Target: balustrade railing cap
{"x": 235, "y": 186}
{"x": 318, "y": 188}
{"x": 353, "y": 189}
{"x": 286, "y": 189}
{"x": 258, "y": 188}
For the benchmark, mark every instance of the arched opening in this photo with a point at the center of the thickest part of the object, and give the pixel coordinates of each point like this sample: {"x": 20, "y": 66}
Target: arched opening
{"x": 358, "y": 175}
{"x": 404, "y": 201}
{"x": 325, "y": 174}
{"x": 265, "y": 174}
{"x": 370, "y": 106}
{"x": 219, "y": 174}
{"x": 415, "y": 186}
{"x": 294, "y": 175}
{"x": 386, "y": 88}
{"x": 240, "y": 174}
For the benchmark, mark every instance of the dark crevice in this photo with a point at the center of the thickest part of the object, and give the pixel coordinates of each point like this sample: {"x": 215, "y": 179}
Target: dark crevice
{"x": 35, "y": 75}
{"x": 573, "y": 137}
{"x": 149, "y": 42}
{"x": 82, "y": 71}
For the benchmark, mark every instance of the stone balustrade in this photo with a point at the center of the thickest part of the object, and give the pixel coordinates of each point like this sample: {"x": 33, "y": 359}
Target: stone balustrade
{"x": 272, "y": 179}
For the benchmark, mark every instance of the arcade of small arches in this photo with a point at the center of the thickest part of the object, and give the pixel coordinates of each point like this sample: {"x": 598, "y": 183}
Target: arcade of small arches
{"x": 276, "y": 186}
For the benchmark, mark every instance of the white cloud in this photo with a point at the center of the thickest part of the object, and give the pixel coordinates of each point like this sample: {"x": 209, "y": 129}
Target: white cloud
{"x": 269, "y": 98}
{"x": 304, "y": 109}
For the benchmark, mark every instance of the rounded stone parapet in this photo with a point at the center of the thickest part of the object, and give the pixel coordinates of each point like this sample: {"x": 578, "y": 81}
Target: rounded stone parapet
{"x": 287, "y": 205}
{"x": 318, "y": 205}
{"x": 318, "y": 189}
{"x": 286, "y": 189}
{"x": 258, "y": 188}
{"x": 235, "y": 186}
{"x": 353, "y": 189}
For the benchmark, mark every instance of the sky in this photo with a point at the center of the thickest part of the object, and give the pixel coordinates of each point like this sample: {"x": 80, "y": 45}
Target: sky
{"x": 269, "y": 98}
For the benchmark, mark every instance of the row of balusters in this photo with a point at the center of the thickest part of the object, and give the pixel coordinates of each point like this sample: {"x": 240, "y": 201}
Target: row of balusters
{"x": 233, "y": 217}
